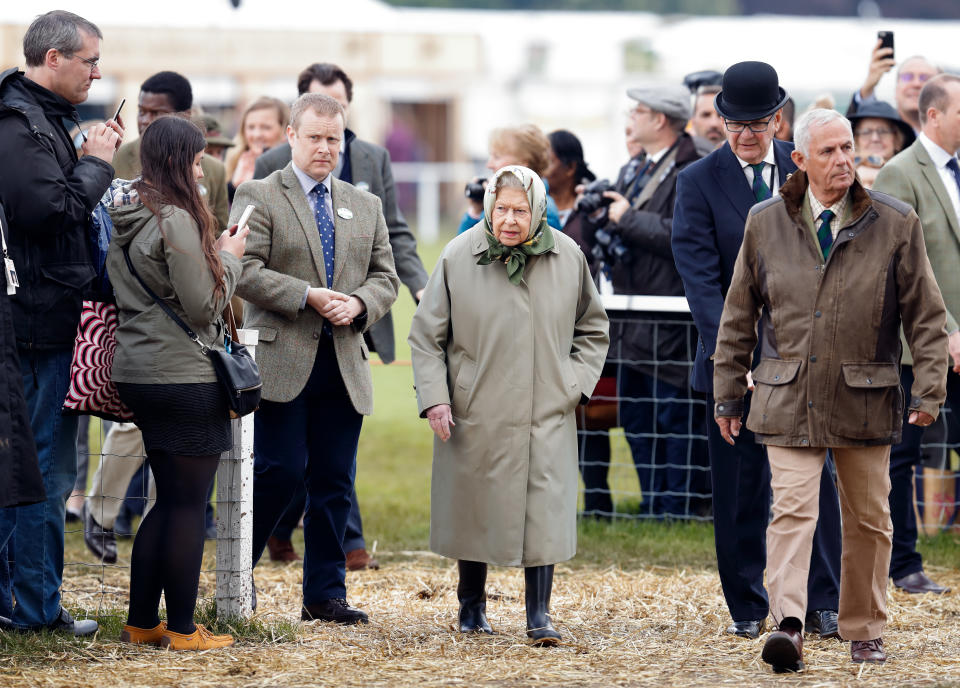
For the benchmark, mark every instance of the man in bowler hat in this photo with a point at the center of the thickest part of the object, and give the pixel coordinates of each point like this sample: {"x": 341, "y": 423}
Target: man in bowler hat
{"x": 714, "y": 196}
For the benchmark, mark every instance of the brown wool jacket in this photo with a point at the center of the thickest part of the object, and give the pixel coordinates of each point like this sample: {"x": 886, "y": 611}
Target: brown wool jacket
{"x": 829, "y": 369}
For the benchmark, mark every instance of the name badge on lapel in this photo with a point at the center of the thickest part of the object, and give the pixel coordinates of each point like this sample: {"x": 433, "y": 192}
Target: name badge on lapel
{"x": 345, "y": 213}
{"x": 363, "y": 186}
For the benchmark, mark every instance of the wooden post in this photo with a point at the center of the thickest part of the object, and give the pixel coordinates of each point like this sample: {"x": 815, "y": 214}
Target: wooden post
{"x": 235, "y": 514}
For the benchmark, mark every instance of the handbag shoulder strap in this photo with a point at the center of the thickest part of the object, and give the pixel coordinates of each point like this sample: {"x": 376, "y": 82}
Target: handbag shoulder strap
{"x": 166, "y": 309}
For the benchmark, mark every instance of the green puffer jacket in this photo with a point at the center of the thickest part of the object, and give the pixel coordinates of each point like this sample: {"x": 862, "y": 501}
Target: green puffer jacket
{"x": 151, "y": 347}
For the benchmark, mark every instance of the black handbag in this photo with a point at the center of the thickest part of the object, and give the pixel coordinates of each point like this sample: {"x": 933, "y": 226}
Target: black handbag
{"x": 237, "y": 372}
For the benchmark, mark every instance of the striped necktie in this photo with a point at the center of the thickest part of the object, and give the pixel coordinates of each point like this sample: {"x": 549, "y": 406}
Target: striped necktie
{"x": 825, "y": 234}
{"x": 760, "y": 189}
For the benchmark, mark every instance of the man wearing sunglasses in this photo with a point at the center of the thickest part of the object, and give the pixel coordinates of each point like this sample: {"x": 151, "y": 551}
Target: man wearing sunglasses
{"x": 714, "y": 196}
{"x": 48, "y": 194}
{"x": 912, "y": 75}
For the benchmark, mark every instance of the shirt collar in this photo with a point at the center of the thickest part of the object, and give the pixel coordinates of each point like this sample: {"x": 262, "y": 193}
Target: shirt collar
{"x": 939, "y": 156}
{"x": 816, "y": 207}
{"x": 307, "y": 182}
{"x": 768, "y": 158}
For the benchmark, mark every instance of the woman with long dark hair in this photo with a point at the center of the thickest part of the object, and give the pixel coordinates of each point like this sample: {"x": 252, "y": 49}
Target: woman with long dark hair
{"x": 565, "y": 170}
{"x": 166, "y": 237}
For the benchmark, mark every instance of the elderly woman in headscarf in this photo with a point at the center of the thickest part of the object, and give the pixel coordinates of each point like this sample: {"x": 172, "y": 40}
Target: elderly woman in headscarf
{"x": 509, "y": 337}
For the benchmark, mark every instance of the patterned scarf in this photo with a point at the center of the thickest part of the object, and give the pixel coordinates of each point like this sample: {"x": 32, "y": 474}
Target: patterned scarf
{"x": 540, "y": 239}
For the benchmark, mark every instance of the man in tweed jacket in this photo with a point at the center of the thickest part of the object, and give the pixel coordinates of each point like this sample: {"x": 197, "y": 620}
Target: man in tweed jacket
{"x": 318, "y": 271}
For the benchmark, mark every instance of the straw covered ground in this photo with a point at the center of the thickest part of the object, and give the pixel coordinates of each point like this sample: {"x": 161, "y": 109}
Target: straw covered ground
{"x": 651, "y": 626}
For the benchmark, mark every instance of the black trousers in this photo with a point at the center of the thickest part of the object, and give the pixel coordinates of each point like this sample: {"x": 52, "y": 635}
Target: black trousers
{"x": 741, "y": 511}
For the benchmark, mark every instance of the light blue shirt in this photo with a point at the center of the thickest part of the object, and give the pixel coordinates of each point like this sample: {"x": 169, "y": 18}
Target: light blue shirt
{"x": 307, "y": 183}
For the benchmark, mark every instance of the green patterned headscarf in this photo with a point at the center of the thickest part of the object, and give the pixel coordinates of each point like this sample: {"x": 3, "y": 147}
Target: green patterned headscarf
{"x": 540, "y": 238}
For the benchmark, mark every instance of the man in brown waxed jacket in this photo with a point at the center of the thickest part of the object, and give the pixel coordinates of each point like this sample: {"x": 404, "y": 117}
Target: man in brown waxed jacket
{"x": 835, "y": 269}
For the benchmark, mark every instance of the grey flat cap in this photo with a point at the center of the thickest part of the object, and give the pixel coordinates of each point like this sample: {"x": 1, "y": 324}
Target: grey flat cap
{"x": 673, "y": 101}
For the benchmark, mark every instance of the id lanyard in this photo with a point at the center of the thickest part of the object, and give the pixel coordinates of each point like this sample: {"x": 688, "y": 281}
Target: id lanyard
{"x": 9, "y": 271}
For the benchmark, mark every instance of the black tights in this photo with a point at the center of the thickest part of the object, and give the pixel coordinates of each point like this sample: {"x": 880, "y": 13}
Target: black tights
{"x": 168, "y": 549}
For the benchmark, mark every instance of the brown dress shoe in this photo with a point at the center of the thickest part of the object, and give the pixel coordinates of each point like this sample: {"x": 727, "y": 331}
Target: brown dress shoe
{"x": 360, "y": 559}
{"x": 783, "y": 650}
{"x": 919, "y": 583}
{"x": 282, "y": 550}
{"x": 868, "y": 651}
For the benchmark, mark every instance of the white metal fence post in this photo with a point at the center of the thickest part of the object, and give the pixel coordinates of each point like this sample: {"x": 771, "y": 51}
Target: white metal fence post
{"x": 235, "y": 514}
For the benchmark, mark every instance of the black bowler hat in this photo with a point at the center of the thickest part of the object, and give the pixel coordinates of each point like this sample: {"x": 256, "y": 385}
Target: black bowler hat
{"x": 750, "y": 91}
{"x": 880, "y": 110}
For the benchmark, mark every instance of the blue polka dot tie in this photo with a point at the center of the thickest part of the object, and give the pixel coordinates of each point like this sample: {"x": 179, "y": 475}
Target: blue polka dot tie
{"x": 325, "y": 227}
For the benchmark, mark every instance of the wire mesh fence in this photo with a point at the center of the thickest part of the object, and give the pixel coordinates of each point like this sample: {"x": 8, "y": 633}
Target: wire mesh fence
{"x": 643, "y": 455}
{"x": 643, "y": 437}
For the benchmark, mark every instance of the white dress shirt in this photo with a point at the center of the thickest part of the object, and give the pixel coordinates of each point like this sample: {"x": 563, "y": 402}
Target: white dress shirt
{"x": 769, "y": 171}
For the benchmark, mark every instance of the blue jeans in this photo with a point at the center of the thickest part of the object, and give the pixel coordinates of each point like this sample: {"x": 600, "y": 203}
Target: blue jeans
{"x": 36, "y": 531}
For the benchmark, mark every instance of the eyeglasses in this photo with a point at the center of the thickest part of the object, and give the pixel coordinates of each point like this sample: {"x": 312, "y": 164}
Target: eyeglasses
{"x": 907, "y": 77}
{"x": 755, "y": 127}
{"x": 870, "y": 133}
{"x": 93, "y": 64}
{"x": 635, "y": 111}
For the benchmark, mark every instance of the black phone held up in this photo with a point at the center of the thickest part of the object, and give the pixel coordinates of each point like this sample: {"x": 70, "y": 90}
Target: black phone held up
{"x": 886, "y": 40}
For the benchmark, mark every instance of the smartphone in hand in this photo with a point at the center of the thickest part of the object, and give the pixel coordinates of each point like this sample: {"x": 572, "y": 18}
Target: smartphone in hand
{"x": 886, "y": 40}
{"x": 244, "y": 218}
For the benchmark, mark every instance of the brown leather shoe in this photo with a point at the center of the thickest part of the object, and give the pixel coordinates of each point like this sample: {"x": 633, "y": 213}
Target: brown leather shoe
{"x": 360, "y": 559}
{"x": 282, "y": 550}
{"x": 868, "y": 651}
{"x": 919, "y": 583}
{"x": 783, "y": 650}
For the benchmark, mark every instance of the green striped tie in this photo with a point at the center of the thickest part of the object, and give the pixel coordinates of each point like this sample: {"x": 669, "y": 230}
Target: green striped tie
{"x": 825, "y": 234}
{"x": 760, "y": 189}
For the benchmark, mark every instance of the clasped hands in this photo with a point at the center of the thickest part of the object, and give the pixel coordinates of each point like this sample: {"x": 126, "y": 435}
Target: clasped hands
{"x": 338, "y": 308}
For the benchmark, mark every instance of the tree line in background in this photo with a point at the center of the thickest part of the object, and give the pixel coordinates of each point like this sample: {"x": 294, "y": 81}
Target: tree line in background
{"x": 906, "y": 9}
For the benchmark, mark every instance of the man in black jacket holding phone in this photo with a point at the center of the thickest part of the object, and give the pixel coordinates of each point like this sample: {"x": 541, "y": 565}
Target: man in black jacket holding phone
{"x": 48, "y": 200}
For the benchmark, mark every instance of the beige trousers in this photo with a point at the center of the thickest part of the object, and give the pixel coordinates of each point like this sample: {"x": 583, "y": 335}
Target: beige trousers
{"x": 122, "y": 455}
{"x": 863, "y": 476}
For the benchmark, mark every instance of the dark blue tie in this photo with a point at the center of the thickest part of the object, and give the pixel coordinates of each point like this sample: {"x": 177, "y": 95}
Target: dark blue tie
{"x": 325, "y": 227}
{"x": 955, "y": 168}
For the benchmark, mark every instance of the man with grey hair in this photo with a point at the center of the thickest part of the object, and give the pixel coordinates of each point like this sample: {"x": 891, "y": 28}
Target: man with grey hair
{"x": 714, "y": 197}
{"x": 318, "y": 271}
{"x": 48, "y": 198}
{"x": 633, "y": 250}
{"x": 828, "y": 374}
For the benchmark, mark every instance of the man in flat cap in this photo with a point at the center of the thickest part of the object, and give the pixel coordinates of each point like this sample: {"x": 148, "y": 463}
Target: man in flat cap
{"x": 714, "y": 196}
{"x": 638, "y": 260}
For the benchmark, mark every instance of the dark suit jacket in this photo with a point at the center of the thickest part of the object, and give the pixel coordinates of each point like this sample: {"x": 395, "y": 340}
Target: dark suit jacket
{"x": 370, "y": 168}
{"x": 713, "y": 199}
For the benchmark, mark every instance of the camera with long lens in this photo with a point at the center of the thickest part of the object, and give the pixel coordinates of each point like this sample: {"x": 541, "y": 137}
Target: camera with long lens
{"x": 474, "y": 190}
{"x": 610, "y": 248}
{"x": 593, "y": 200}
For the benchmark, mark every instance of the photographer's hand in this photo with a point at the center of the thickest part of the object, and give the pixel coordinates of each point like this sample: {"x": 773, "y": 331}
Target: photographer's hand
{"x": 619, "y": 206}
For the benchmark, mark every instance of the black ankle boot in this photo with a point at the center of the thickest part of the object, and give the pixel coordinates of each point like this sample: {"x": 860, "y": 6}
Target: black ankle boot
{"x": 471, "y": 591}
{"x": 539, "y": 581}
